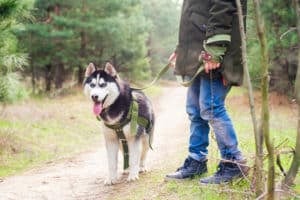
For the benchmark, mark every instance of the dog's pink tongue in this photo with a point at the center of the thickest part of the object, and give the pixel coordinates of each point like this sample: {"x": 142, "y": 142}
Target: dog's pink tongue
{"x": 97, "y": 108}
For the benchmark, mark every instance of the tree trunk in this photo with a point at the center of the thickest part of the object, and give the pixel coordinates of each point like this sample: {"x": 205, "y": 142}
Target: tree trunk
{"x": 114, "y": 62}
{"x": 59, "y": 75}
{"x": 265, "y": 97}
{"x": 291, "y": 174}
{"x": 33, "y": 76}
{"x": 33, "y": 71}
{"x": 80, "y": 75}
{"x": 258, "y": 168}
{"x": 48, "y": 77}
{"x": 83, "y": 44}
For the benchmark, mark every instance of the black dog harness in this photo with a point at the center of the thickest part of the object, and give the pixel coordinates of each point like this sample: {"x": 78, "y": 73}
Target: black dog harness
{"x": 135, "y": 120}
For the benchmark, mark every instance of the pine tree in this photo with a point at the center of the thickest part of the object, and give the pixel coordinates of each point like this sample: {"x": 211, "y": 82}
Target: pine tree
{"x": 11, "y": 59}
{"x": 68, "y": 35}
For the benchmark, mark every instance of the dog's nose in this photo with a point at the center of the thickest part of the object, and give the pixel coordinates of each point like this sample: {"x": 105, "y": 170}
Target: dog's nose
{"x": 95, "y": 97}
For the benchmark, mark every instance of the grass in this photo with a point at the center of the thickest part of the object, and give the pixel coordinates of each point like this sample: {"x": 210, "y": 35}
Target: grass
{"x": 152, "y": 187}
{"x": 40, "y": 131}
{"x": 39, "y": 144}
{"x": 44, "y": 129}
{"x": 283, "y": 128}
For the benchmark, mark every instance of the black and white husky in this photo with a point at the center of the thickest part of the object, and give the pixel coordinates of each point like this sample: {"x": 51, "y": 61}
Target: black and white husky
{"x": 112, "y": 99}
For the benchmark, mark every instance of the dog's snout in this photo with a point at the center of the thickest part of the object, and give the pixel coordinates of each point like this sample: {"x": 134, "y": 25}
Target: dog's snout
{"x": 95, "y": 97}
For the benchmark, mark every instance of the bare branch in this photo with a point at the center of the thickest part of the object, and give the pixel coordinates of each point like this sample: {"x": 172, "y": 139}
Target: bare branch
{"x": 257, "y": 134}
{"x": 265, "y": 114}
{"x": 287, "y": 32}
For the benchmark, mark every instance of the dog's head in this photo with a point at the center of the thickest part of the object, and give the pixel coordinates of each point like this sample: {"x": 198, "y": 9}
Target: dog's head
{"x": 101, "y": 86}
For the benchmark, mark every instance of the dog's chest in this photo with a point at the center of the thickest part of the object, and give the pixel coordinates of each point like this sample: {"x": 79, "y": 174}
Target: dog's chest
{"x": 112, "y": 118}
{"x": 110, "y": 134}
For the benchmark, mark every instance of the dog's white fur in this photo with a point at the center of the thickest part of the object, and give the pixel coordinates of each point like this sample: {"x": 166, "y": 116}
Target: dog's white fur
{"x": 138, "y": 150}
{"x": 138, "y": 147}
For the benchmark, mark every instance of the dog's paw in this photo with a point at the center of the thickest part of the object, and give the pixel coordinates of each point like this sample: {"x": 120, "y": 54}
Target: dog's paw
{"x": 110, "y": 181}
{"x": 143, "y": 170}
{"x": 125, "y": 172}
{"x": 132, "y": 178}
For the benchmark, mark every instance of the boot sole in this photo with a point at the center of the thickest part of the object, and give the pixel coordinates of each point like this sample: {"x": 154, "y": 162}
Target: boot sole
{"x": 183, "y": 179}
{"x": 222, "y": 183}
{"x": 167, "y": 179}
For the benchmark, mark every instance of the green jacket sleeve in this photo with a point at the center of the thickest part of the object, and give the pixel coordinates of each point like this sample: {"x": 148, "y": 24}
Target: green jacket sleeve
{"x": 217, "y": 52}
{"x": 220, "y": 20}
{"x": 219, "y": 27}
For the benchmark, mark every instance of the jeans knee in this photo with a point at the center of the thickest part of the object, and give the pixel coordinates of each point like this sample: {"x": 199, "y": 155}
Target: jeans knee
{"x": 194, "y": 117}
{"x": 206, "y": 114}
{"x": 193, "y": 113}
{"x": 213, "y": 113}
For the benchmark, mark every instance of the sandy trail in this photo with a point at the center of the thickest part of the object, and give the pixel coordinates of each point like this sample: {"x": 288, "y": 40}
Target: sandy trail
{"x": 82, "y": 176}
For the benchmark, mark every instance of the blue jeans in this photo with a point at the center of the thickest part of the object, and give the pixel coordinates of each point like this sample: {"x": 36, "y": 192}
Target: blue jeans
{"x": 205, "y": 105}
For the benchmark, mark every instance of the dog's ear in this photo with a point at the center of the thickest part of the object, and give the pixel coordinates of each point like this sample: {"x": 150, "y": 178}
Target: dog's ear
{"x": 110, "y": 69}
{"x": 90, "y": 69}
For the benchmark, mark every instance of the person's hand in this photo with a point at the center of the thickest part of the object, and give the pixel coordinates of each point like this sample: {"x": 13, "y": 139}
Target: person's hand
{"x": 209, "y": 62}
{"x": 172, "y": 60}
{"x": 210, "y": 65}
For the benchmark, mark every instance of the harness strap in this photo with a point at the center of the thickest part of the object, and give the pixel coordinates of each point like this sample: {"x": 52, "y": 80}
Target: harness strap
{"x": 139, "y": 120}
{"x": 135, "y": 120}
{"x": 122, "y": 138}
{"x": 134, "y": 116}
{"x": 121, "y": 124}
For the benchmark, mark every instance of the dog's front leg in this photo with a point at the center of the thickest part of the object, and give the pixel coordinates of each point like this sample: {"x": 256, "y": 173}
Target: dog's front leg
{"x": 145, "y": 148}
{"x": 112, "y": 148}
{"x": 134, "y": 145}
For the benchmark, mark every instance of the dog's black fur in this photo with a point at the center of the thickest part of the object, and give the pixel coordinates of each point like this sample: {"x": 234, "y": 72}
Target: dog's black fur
{"x": 116, "y": 96}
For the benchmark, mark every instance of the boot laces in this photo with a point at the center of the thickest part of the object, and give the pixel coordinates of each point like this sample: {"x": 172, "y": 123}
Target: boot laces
{"x": 221, "y": 169}
{"x": 186, "y": 164}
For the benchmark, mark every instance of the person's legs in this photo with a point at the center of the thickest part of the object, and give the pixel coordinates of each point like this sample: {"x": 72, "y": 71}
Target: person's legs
{"x": 212, "y": 106}
{"x": 199, "y": 128}
{"x": 195, "y": 164}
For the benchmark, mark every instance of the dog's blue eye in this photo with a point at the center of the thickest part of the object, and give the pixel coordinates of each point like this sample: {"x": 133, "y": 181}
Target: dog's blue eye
{"x": 92, "y": 85}
{"x": 103, "y": 85}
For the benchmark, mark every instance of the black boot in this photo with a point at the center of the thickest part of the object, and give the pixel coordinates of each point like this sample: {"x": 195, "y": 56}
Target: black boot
{"x": 227, "y": 171}
{"x": 189, "y": 169}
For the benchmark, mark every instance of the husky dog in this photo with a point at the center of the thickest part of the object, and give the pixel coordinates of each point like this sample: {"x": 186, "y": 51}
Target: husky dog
{"x": 112, "y": 99}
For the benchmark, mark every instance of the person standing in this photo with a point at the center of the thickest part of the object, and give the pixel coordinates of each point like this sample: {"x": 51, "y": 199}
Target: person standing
{"x": 210, "y": 29}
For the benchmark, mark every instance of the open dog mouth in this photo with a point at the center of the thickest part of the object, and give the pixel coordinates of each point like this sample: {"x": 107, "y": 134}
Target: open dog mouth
{"x": 98, "y": 106}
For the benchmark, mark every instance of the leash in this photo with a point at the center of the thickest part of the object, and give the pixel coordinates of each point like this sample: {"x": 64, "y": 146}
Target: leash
{"x": 133, "y": 110}
{"x": 185, "y": 81}
{"x": 211, "y": 105}
{"x": 156, "y": 78}
{"x": 182, "y": 80}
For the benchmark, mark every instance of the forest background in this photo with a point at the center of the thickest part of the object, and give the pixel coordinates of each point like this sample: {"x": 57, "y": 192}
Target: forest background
{"x": 46, "y": 44}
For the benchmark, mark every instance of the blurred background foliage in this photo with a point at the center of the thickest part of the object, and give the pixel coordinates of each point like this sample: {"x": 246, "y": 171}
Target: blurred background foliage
{"x": 45, "y": 45}
{"x": 280, "y": 19}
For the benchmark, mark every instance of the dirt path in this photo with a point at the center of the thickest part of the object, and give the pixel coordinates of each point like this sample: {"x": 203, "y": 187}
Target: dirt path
{"x": 82, "y": 177}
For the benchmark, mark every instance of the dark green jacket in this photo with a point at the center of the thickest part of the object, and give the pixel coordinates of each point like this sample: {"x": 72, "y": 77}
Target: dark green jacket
{"x": 215, "y": 24}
